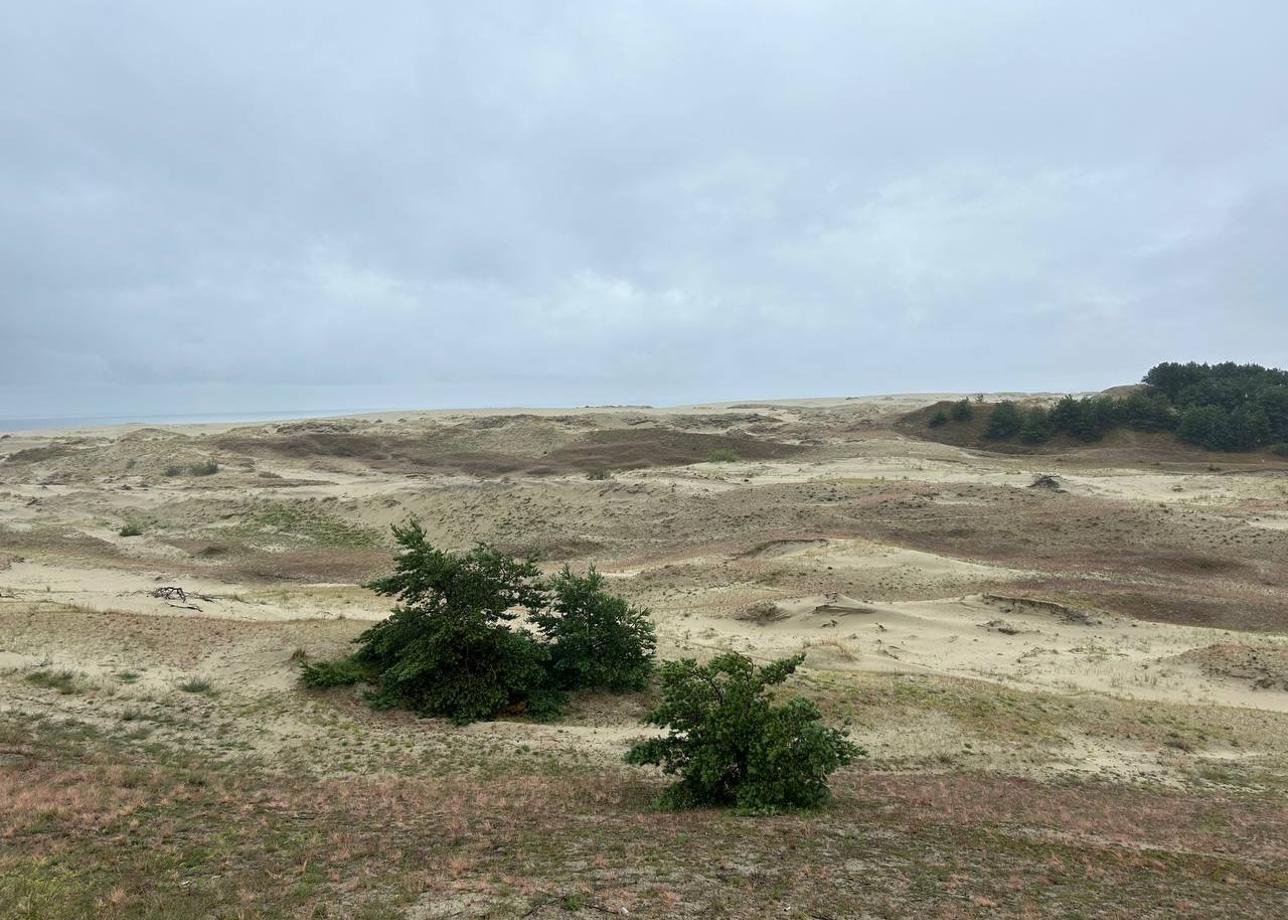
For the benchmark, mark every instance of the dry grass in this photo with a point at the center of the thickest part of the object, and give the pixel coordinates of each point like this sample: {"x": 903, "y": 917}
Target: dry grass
{"x": 170, "y": 838}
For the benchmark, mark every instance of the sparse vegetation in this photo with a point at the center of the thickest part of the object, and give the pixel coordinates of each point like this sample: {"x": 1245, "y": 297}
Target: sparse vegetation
{"x": 203, "y": 468}
{"x": 731, "y": 743}
{"x": 599, "y": 474}
{"x": 1046, "y": 756}
{"x": 306, "y": 522}
{"x": 131, "y": 529}
{"x": 196, "y": 685}
{"x": 722, "y": 455}
{"x": 65, "y": 682}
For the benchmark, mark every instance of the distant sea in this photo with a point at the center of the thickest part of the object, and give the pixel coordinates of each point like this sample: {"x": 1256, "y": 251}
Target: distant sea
{"x": 86, "y": 421}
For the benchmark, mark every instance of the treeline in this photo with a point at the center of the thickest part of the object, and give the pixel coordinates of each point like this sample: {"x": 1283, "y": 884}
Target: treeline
{"x": 1228, "y": 407}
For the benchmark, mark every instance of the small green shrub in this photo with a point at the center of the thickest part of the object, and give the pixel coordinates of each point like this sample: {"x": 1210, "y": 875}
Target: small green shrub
{"x": 340, "y": 672}
{"x": 962, "y": 411}
{"x": 204, "y": 468}
{"x": 597, "y": 640}
{"x": 131, "y": 529}
{"x": 939, "y": 419}
{"x": 722, "y": 455}
{"x": 573, "y": 902}
{"x": 730, "y": 743}
{"x": 1280, "y": 450}
{"x": 196, "y": 685}
{"x": 64, "y": 682}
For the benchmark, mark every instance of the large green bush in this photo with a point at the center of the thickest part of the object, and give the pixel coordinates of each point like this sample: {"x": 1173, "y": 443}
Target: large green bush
{"x": 448, "y": 649}
{"x": 731, "y": 743}
{"x": 451, "y": 646}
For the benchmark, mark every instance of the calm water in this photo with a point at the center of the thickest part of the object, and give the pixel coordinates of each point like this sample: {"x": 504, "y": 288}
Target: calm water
{"x": 31, "y": 424}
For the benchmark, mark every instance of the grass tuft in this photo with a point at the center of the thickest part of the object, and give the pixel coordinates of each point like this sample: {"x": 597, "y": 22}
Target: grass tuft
{"x": 65, "y": 682}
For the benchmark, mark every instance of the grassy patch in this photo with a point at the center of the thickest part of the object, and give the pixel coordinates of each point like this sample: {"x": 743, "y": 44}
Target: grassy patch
{"x": 91, "y": 829}
{"x": 203, "y": 468}
{"x": 306, "y": 523}
{"x": 196, "y": 685}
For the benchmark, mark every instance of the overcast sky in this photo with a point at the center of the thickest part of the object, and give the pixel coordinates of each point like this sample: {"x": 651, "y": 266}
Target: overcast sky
{"x": 239, "y": 206}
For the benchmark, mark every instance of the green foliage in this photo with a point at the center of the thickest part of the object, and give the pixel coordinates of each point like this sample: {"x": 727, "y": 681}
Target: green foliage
{"x": 1280, "y": 450}
{"x": 204, "y": 468}
{"x": 465, "y": 669}
{"x": 962, "y": 411}
{"x": 939, "y": 419}
{"x": 573, "y": 902}
{"x": 722, "y": 455}
{"x": 1227, "y": 406}
{"x": 1036, "y": 428}
{"x": 731, "y": 743}
{"x": 1230, "y": 407}
{"x": 1005, "y": 421}
{"x": 65, "y": 682}
{"x": 304, "y": 521}
{"x": 341, "y": 672}
{"x": 449, "y": 648}
{"x": 131, "y": 529}
{"x": 1148, "y": 412}
{"x": 597, "y": 640}
{"x": 196, "y": 685}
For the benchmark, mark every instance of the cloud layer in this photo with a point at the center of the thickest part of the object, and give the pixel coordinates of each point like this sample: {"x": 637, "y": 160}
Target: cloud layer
{"x": 326, "y": 205}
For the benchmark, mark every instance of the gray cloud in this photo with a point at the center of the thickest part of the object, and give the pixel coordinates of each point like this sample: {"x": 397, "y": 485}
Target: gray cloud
{"x": 331, "y": 205}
